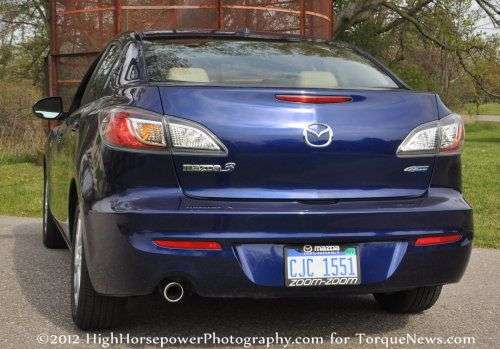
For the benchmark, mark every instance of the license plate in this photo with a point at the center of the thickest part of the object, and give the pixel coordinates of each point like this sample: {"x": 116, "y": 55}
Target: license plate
{"x": 330, "y": 265}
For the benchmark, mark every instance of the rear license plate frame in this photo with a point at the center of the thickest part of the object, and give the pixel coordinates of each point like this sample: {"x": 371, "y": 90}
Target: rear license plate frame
{"x": 321, "y": 251}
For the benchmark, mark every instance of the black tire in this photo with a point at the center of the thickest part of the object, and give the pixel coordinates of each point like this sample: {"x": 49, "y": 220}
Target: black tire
{"x": 51, "y": 236}
{"x": 409, "y": 302}
{"x": 92, "y": 311}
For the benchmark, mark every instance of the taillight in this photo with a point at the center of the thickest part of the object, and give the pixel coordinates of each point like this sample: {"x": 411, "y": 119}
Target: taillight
{"x": 313, "y": 99}
{"x": 130, "y": 127}
{"x": 133, "y": 128}
{"x": 442, "y": 137}
{"x": 438, "y": 240}
{"x": 451, "y": 134}
{"x": 188, "y": 137}
{"x": 188, "y": 245}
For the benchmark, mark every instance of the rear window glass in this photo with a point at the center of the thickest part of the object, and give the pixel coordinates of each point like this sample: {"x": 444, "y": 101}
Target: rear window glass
{"x": 261, "y": 63}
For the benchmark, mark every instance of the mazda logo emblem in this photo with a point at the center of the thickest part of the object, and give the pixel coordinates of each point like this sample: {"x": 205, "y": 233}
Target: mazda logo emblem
{"x": 318, "y": 135}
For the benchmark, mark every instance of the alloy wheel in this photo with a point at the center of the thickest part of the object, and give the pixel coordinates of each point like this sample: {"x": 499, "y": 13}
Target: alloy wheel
{"x": 45, "y": 205}
{"x": 77, "y": 260}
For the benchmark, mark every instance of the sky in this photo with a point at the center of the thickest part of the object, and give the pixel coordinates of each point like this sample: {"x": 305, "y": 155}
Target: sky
{"x": 486, "y": 25}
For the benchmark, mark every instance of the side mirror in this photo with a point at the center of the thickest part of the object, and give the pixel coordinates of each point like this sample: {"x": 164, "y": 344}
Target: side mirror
{"x": 48, "y": 108}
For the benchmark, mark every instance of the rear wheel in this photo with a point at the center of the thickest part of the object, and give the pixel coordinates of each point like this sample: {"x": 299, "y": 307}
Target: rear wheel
{"x": 410, "y": 301}
{"x": 50, "y": 233}
{"x": 90, "y": 310}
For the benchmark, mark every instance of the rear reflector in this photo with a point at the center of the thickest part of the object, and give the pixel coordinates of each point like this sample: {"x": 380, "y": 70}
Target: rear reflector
{"x": 313, "y": 99}
{"x": 437, "y": 240}
{"x": 188, "y": 245}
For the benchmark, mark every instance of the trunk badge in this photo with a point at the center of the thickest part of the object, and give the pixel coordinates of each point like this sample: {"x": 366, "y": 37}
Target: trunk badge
{"x": 229, "y": 167}
{"x": 318, "y": 135}
{"x": 416, "y": 169}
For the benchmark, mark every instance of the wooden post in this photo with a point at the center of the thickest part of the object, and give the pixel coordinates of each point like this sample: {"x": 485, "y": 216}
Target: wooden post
{"x": 302, "y": 18}
{"x": 220, "y": 8}
{"x": 332, "y": 20}
{"x": 118, "y": 16}
{"x": 52, "y": 60}
{"x": 52, "y": 72}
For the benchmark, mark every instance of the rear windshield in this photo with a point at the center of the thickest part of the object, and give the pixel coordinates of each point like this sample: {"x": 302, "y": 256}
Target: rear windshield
{"x": 261, "y": 63}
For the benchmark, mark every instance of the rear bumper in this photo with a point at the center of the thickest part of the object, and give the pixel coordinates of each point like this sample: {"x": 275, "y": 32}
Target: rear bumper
{"x": 124, "y": 262}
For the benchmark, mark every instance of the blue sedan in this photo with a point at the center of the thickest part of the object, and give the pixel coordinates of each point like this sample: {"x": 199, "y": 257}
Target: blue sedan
{"x": 229, "y": 165}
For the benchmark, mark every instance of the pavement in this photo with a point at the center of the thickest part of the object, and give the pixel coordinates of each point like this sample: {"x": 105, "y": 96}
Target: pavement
{"x": 34, "y": 309}
{"x": 494, "y": 118}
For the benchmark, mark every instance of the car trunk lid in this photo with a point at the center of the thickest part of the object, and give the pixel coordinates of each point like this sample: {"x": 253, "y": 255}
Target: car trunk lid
{"x": 273, "y": 158}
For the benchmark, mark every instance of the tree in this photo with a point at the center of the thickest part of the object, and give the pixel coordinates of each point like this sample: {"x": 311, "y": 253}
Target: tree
{"x": 433, "y": 43}
{"x": 419, "y": 36}
{"x": 24, "y": 38}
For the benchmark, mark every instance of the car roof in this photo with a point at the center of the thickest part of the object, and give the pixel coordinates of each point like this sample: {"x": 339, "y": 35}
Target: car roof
{"x": 242, "y": 34}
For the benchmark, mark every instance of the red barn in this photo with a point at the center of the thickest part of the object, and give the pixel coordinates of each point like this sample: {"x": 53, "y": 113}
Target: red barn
{"x": 80, "y": 29}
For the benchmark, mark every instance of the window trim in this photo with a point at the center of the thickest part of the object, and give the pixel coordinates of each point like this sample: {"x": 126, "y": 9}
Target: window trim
{"x": 101, "y": 60}
{"x": 125, "y": 67}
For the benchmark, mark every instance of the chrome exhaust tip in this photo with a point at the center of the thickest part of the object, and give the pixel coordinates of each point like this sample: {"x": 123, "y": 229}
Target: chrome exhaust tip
{"x": 173, "y": 292}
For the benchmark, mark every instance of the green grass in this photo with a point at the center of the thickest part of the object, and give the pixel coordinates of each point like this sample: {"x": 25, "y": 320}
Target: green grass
{"x": 21, "y": 183}
{"x": 16, "y": 159}
{"x": 484, "y": 109}
{"x": 481, "y": 174}
{"x": 20, "y": 189}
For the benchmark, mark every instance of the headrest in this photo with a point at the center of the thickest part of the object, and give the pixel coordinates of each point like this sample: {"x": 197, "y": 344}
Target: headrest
{"x": 318, "y": 79}
{"x": 188, "y": 74}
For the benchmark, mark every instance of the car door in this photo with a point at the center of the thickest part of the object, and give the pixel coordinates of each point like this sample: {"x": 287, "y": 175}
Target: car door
{"x": 65, "y": 139}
